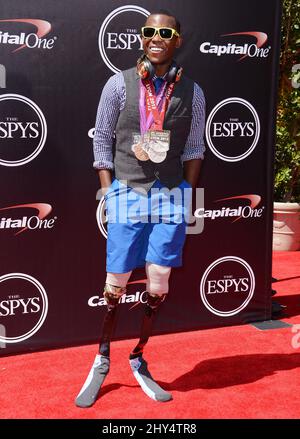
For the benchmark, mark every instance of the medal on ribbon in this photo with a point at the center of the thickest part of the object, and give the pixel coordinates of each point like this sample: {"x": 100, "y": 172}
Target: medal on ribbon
{"x": 154, "y": 142}
{"x": 138, "y": 147}
{"x": 159, "y": 145}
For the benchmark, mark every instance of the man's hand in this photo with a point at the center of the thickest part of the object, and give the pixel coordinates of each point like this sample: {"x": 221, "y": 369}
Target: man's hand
{"x": 105, "y": 179}
{"x": 191, "y": 170}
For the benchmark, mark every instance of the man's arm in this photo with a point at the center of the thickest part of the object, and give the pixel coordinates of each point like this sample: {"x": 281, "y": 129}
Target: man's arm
{"x": 105, "y": 178}
{"x": 111, "y": 102}
{"x": 193, "y": 153}
{"x": 191, "y": 171}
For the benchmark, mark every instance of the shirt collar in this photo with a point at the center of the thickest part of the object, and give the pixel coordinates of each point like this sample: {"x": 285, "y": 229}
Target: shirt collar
{"x": 162, "y": 77}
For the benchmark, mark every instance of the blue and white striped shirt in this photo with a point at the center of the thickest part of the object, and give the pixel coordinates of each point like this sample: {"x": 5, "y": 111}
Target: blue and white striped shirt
{"x": 112, "y": 101}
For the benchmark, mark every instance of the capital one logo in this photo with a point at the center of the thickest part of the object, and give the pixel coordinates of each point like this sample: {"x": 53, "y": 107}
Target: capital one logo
{"x": 23, "y": 130}
{"x": 246, "y": 49}
{"x": 233, "y": 129}
{"x": 236, "y": 211}
{"x": 23, "y": 306}
{"x": 31, "y": 40}
{"x": 119, "y": 40}
{"x": 133, "y": 295}
{"x": 12, "y": 219}
{"x": 227, "y": 286}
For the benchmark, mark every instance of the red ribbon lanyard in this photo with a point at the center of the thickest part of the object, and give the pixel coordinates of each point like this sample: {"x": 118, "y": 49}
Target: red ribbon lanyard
{"x": 151, "y": 106}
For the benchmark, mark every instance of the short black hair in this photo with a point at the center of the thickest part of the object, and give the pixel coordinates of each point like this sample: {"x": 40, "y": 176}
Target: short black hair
{"x": 168, "y": 14}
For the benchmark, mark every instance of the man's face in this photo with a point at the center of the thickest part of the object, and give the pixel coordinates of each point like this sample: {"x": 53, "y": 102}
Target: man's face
{"x": 157, "y": 50}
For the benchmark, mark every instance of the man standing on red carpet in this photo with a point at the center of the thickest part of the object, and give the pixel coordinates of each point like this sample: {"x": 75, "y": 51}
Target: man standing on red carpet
{"x": 154, "y": 116}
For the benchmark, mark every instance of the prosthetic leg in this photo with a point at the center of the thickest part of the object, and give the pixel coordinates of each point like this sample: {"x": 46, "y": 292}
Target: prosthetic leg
{"x": 89, "y": 392}
{"x": 157, "y": 280}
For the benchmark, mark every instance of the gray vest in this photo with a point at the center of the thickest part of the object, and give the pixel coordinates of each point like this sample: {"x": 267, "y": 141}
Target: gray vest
{"x": 178, "y": 120}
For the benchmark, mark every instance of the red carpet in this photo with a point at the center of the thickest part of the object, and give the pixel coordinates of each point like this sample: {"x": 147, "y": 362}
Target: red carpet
{"x": 233, "y": 372}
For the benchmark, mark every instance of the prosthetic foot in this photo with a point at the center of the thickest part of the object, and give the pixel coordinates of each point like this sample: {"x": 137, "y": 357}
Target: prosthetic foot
{"x": 89, "y": 392}
{"x": 137, "y": 363}
{"x": 141, "y": 373}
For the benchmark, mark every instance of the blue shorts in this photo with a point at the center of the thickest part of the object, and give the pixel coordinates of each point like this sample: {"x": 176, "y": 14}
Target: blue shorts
{"x": 146, "y": 226}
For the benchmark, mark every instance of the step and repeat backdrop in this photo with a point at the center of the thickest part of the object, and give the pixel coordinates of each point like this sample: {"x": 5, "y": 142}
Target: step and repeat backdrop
{"x": 55, "y": 59}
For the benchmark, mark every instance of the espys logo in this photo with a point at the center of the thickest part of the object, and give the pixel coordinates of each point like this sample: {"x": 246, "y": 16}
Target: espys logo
{"x": 23, "y": 130}
{"x": 233, "y": 129}
{"x": 235, "y": 213}
{"x": 101, "y": 217}
{"x": 30, "y": 40}
{"x": 227, "y": 286}
{"x": 27, "y": 221}
{"x": 119, "y": 38}
{"x": 137, "y": 297}
{"x": 247, "y": 50}
{"x": 23, "y": 306}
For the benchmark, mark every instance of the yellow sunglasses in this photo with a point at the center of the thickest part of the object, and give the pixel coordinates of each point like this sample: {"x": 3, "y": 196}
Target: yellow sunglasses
{"x": 165, "y": 33}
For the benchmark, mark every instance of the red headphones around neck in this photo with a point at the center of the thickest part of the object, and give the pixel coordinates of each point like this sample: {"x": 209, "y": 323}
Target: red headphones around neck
{"x": 146, "y": 70}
